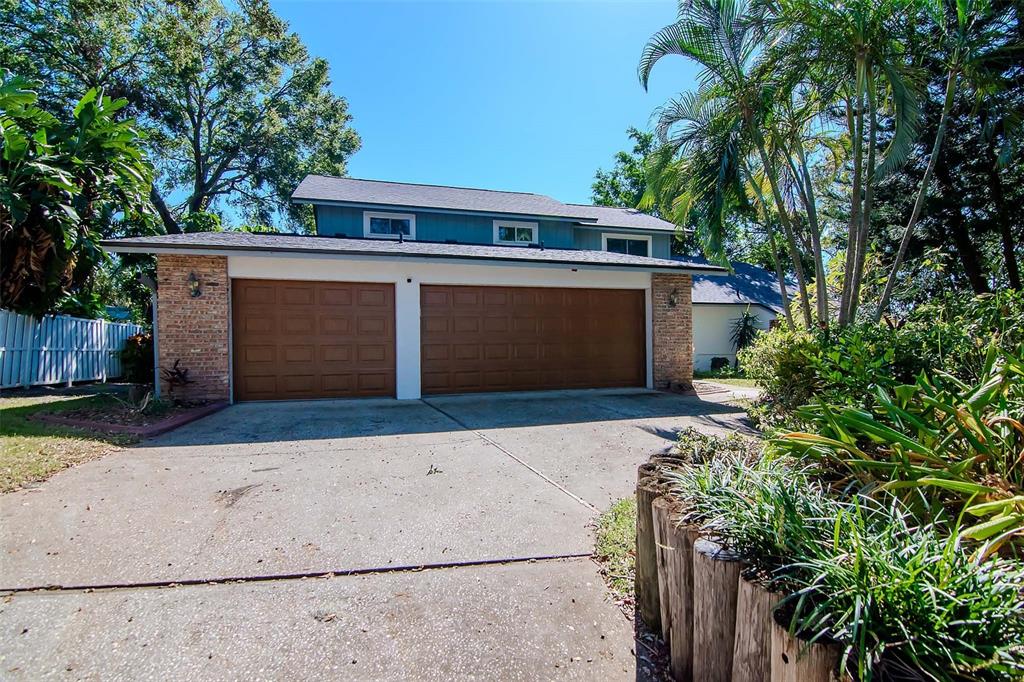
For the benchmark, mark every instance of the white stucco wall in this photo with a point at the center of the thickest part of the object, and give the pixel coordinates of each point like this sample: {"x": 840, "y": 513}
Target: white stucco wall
{"x": 712, "y": 329}
{"x": 408, "y": 275}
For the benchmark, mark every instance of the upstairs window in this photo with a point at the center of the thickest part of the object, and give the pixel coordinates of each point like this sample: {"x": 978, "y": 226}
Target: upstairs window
{"x": 389, "y": 225}
{"x": 514, "y": 232}
{"x": 632, "y": 245}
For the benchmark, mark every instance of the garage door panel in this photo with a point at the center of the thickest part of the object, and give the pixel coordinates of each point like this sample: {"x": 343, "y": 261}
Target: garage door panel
{"x": 295, "y": 354}
{"x": 312, "y": 339}
{"x": 257, "y": 295}
{"x": 297, "y": 324}
{"x": 297, "y": 296}
{"x": 527, "y": 338}
{"x": 335, "y": 296}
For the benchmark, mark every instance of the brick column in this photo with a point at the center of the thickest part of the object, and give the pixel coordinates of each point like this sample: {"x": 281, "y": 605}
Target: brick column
{"x": 194, "y": 329}
{"x": 672, "y": 331}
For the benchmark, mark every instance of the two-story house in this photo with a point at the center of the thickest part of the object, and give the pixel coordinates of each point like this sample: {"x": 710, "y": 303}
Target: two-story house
{"x": 410, "y": 289}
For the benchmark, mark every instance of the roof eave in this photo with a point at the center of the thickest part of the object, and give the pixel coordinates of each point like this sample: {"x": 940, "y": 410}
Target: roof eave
{"x": 120, "y": 246}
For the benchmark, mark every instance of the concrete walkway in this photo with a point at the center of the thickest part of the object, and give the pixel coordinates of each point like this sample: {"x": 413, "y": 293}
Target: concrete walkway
{"x": 495, "y": 495}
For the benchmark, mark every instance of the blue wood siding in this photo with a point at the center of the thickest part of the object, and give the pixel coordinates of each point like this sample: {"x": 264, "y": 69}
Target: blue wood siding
{"x": 471, "y": 229}
{"x": 438, "y": 227}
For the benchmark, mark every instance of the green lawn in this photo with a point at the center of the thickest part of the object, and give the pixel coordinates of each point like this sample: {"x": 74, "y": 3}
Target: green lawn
{"x": 615, "y": 549}
{"x": 33, "y": 451}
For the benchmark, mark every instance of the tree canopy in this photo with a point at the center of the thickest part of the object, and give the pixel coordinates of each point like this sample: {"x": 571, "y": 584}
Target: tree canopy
{"x": 234, "y": 108}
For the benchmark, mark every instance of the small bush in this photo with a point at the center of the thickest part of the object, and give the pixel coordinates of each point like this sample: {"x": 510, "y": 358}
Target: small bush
{"x": 840, "y": 366}
{"x": 137, "y": 359}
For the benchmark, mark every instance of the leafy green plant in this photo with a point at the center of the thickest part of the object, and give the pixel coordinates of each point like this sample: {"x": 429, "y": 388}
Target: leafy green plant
{"x": 900, "y": 596}
{"x": 841, "y": 366}
{"x": 61, "y": 184}
{"x": 963, "y": 445}
{"x": 745, "y": 329}
{"x": 905, "y": 598}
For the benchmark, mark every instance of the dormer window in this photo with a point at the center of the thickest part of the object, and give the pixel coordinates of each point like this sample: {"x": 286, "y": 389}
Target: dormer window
{"x": 514, "y": 232}
{"x": 389, "y": 225}
{"x": 633, "y": 245}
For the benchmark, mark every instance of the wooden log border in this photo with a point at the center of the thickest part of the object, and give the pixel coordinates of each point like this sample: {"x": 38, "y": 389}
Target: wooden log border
{"x": 717, "y": 623}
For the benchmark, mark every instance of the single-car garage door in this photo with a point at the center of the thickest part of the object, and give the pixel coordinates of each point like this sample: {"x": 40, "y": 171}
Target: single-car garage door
{"x": 526, "y": 338}
{"x": 296, "y": 340}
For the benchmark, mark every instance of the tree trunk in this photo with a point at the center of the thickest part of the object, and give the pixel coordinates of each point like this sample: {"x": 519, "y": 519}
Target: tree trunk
{"x": 821, "y": 289}
{"x": 1003, "y": 217}
{"x": 856, "y": 122}
{"x": 860, "y": 257}
{"x": 787, "y": 228}
{"x": 780, "y": 275}
{"x": 166, "y": 217}
{"x": 922, "y": 192}
{"x": 970, "y": 259}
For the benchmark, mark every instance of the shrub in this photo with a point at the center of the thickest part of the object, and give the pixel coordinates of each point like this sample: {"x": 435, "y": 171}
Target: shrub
{"x": 897, "y": 594}
{"x": 840, "y": 366}
{"x": 137, "y": 359}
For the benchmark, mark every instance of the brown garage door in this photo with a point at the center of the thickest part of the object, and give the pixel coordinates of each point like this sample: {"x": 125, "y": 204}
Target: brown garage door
{"x": 312, "y": 339}
{"x": 525, "y": 338}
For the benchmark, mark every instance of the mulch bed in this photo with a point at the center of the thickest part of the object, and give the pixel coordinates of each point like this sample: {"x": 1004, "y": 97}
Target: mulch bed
{"x": 116, "y": 418}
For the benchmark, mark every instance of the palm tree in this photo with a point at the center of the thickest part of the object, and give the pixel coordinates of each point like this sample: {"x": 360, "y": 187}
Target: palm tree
{"x": 722, "y": 121}
{"x": 850, "y": 55}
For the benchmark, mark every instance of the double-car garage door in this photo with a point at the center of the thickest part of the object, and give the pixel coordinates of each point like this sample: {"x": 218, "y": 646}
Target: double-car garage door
{"x": 331, "y": 340}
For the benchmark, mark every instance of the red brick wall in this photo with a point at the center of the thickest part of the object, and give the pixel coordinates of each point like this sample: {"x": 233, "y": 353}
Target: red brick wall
{"x": 672, "y": 331}
{"x": 194, "y": 330}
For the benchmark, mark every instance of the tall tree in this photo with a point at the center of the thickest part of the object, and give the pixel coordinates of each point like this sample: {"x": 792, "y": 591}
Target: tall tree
{"x": 235, "y": 109}
{"x": 966, "y": 35}
{"x": 624, "y": 185}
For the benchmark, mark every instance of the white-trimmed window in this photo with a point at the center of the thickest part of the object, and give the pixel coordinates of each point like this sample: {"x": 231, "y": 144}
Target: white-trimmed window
{"x": 514, "y": 232}
{"x": 389, "y": 225}
{"x": 631, "y": 244}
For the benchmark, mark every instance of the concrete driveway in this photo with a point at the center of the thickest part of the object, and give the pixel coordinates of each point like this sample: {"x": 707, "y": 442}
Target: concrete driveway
{"x": 201, "y": 554}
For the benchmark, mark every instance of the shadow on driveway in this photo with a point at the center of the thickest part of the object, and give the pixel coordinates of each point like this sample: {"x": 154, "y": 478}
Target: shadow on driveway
{"x": 312, "y": 420}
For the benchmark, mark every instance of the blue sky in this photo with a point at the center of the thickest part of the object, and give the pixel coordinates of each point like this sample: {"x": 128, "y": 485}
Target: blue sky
{"x": 526, "y": 96}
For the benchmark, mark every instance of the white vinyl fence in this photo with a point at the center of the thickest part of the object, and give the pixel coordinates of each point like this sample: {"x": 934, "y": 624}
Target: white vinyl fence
{"x": 59, "y": 349}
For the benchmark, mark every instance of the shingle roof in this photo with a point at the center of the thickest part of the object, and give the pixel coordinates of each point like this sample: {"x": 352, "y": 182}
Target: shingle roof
{"x": 389, "y": 248}
{"x": 315, "y": 188}
{"x": 610, "y": 216}
{"x": 322, "y": 188}
{"x": 748, "y": 285}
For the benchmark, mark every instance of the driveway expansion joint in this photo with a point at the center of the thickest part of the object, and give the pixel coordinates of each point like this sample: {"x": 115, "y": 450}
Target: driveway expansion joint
{"x": 493, "y": 443}
{"x": 6, "y": 592}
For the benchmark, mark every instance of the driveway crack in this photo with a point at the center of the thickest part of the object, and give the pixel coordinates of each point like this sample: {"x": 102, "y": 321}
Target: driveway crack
{"x": 493, "y": 443}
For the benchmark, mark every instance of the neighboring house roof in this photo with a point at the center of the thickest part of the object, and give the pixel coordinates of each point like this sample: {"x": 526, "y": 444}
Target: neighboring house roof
{"x": 233, "y": 242}
{"x": 749, "y": 284}
{"x": 325, "y": 189}
{"x": 611, "y": 216}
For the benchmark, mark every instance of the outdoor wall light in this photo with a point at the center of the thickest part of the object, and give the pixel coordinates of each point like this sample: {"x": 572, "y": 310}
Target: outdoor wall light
{"x": 193, "y": 286}
{"x": 673, "y": 298}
